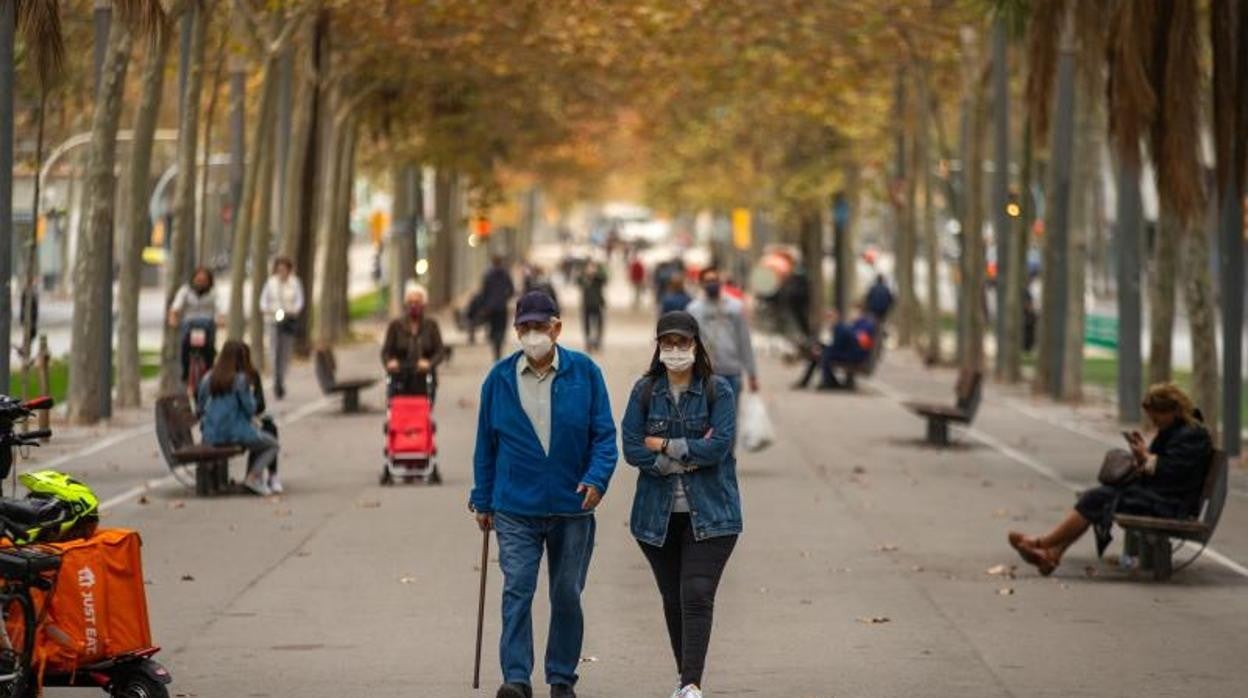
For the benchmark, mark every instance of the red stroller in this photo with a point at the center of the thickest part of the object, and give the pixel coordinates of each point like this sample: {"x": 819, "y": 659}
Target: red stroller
{"x": 411, "y": 450}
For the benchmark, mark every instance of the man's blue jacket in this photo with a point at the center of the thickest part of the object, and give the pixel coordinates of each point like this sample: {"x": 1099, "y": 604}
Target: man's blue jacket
{"x": 512, "y": 473}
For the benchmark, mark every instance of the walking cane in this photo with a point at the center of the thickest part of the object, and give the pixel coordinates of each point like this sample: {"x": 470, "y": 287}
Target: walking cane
{"x": 485, "y": 560}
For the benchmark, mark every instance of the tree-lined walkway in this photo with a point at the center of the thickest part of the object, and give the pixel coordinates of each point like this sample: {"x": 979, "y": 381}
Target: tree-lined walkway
{"x": 345, "y": 585}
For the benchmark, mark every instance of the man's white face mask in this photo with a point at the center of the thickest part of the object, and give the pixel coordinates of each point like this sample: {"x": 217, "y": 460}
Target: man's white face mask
{"x": 536, "y": 345}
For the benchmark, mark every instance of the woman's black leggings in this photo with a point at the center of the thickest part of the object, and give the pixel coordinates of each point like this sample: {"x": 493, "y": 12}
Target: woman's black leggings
{"x": 688, "y": 573}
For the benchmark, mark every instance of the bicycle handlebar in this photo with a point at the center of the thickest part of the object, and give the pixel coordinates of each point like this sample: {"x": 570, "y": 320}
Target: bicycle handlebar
{"x": 40, "y": 403}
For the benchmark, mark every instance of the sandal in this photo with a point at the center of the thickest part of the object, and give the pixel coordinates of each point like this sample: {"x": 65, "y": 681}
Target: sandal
{"x": 1033, "y": 554}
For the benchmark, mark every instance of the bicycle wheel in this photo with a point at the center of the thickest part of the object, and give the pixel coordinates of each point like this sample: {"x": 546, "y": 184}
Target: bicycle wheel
{"x": 17, "y": 639}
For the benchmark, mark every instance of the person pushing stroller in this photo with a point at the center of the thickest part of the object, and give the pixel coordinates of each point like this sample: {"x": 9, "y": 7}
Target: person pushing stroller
{"x": 413, "y": 348}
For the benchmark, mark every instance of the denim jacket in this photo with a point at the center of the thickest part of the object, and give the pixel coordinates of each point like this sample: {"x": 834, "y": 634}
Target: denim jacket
{"x": 226, "y": 419}
{"x": 700, "y": 448}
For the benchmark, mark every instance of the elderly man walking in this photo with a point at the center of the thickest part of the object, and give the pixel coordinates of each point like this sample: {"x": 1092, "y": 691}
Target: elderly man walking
{"x": 545, "y": 453}
{"x": 726, "y": 333}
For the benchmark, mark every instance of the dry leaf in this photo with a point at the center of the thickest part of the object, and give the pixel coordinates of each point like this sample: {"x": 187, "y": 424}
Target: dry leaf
{"x": 177, "y": 504}
{"x": 188, "y": 578}
{"x": 143, "y": 499}
{"x": 369, "y": 503}
{"x": 874, "y": 620}
{"x": 858, "y": 470}
{"x": 588, "y": 660}
{"x": 889, "y": 548}
{"x": 1005, "y": 591}
{"x": 407, "y": 580}
{"x": 1001, "y": 571}
{"x": 917, "y": 568}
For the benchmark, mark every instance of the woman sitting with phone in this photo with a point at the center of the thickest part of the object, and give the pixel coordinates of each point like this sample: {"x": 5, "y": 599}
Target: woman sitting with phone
{"x": 1163, "y": 479}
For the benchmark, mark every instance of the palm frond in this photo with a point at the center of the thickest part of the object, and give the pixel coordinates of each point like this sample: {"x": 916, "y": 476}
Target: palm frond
{"x": 1132, "y": 99}
{"x": 1176, "y": 132}
{"x": 40, "y": 24}
{"x": 144, "y": 18}
{"x": 1043, "y": 35}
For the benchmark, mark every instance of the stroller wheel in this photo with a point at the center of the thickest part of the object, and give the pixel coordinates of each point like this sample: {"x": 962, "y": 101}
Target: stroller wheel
{"x": 435, "y": 477}
{"x": 386, "y": 478}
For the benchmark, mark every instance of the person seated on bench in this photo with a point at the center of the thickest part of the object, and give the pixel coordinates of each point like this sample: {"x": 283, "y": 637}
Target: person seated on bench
{"x": 228, "y": 406}
{"x": 413, "y": 348}
{"x": 851, "y": 345}
{"x": 1171, "y": 474}
{"x": 263, "y": 418}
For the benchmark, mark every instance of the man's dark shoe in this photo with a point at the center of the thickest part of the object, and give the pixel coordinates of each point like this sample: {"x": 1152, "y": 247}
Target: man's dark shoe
{"x": 561, "y": 690}
{"x": 515, "y": 690}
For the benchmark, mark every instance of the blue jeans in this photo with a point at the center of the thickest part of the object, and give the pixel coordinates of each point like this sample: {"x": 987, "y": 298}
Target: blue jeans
{"x": 735, "y": 381}
{"x": 569, "y": 544}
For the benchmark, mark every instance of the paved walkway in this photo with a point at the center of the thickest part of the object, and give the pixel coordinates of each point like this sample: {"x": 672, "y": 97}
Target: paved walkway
{"x": 862, "y": 571}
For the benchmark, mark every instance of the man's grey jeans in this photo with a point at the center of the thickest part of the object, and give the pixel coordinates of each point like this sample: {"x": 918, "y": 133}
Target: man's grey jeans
{"x": 283, "y": 344}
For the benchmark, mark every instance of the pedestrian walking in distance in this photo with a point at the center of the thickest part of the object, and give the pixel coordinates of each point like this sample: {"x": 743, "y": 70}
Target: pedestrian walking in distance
{"x": 282, "y": 303}
{"x": 678, "y": 432}
{"x": 413, "y": 347}
{"x": 545, "y": 453}
{"x": 496, "y": 292}
{"x": 725, "y": 333}
{"x": 593, "y": 283}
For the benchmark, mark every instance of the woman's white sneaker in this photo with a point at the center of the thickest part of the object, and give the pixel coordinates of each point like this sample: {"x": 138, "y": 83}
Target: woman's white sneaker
{"x": 275, "y": 485}
{"x": 689, "y": 691}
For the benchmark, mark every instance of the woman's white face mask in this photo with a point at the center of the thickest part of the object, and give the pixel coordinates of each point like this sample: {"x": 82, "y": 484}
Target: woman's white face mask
{"x": 677, "y": 360}
{"x": 536, "y": 345}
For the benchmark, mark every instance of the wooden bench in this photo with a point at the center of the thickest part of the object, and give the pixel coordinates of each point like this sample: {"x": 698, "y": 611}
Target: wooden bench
{"x": 1150, "y": 538}
{"x": 969, "y": 392}
{"x": 204, "y": 467}
{"x": 327, "y": 377}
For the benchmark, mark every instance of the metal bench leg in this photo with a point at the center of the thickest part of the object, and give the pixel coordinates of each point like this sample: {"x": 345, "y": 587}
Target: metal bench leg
{"x": 1145, "y": 542}
{"x": 1131, "y": 544}
{"x": 938, "y": 432}
{"x": 203, "y": 479}
{"x": 351, "y": 401}
{"x": 221, "y": 475}
{"x": 1163, "y": 565}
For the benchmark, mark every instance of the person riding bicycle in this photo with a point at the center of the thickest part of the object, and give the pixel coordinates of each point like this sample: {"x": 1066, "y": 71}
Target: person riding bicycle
{"x": 413, "y": 348}
{"x": 194, "y": 312}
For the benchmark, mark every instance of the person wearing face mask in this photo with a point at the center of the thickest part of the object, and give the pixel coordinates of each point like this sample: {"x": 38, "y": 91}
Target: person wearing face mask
{"x": 413, "y": 347}
{"x": 545, "y": 454}
{"x": 678, "y": 432}
{"x": 726, "y": 333}
{"x": 282, "y": 302}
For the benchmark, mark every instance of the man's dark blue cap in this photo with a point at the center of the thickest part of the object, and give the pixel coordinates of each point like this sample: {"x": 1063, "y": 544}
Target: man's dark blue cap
{"x": 535, "y": 306}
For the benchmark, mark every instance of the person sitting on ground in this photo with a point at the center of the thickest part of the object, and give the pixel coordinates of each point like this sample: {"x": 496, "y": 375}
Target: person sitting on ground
{"x": 194, "y": 306}
{"x": 228, "y": 407}
{"x": 675, "y": 297}
{"x": 879, "y": 299}
{"x": 851, "y": 345}
{"x": 1170, "y": 477}
{"x": 413, "y": 347}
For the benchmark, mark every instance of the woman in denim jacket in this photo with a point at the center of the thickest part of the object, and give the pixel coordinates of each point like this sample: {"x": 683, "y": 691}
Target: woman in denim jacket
{"x": 678, "y": 432}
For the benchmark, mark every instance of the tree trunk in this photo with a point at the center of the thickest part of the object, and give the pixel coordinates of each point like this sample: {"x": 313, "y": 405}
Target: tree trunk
{"x": 1015, "y": 278}
{"x": 262, "y": 236}
{"x": 244, "y": 223}
{"x": 931, "y": 242}
{"x": 128, "y": 370}
{"x": 93, "y": 262}
{"x": 1161, "y": 297}
{"x": 1089, "y": 142}
{"x": 974, "y": 251}
{"x": 207, "y": 229}
{"x": 342, "y": 229}
{"x": 812, "y": 256}
{"x": 441, "y": 269}
{"x": 8, "y": 28}
{"x": 906, "y": 218}
{"x": 324, "y": 307}
{"x": 1202, "y": 318}
{"x": 401, "y": 222}
{"x": 183, "y": 234}
{"x": 1001, "y": 227}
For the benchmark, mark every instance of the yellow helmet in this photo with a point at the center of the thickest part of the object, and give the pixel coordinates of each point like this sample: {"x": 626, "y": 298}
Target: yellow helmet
{"x": 79, "y": 508}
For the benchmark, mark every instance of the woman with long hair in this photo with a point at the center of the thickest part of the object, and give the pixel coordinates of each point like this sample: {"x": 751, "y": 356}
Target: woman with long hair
{"x": 263, "y": 419}
{"x": 678, "y": 432}
{"x": 1169, "y": 474}
{"x": 228, "y": 407}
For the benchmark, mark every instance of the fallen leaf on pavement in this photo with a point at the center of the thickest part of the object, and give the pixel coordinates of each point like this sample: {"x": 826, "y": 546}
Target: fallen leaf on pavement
{"x": 177, "y": 504}
{"x": 282, "y": 512}
{"x": 917, "y": 568}
{"x": 1001, "y": 514}
{"x": 874, "y": 620}
{"x": 370, "y": 503}
{"x": 889, "y": 548}
{"x": 407, "y": 580}
{"x": 188, "y": 578}
{"x": 143, "y": 499}
{"x": 762, "y": 590}
{"x": 858, "y": 470}
{"x": 1001, "y": 571}
{"x": 588, "y": 660}
{"x": 807, "y": 602}
{"x": 1005, "y": 591}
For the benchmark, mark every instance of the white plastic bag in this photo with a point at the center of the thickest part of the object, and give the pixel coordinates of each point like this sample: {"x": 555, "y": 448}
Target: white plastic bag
{"x": 756, "y": 428}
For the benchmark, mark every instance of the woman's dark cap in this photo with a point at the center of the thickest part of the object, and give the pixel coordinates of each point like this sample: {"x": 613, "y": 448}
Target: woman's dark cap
{"x": 677, "y": 322}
